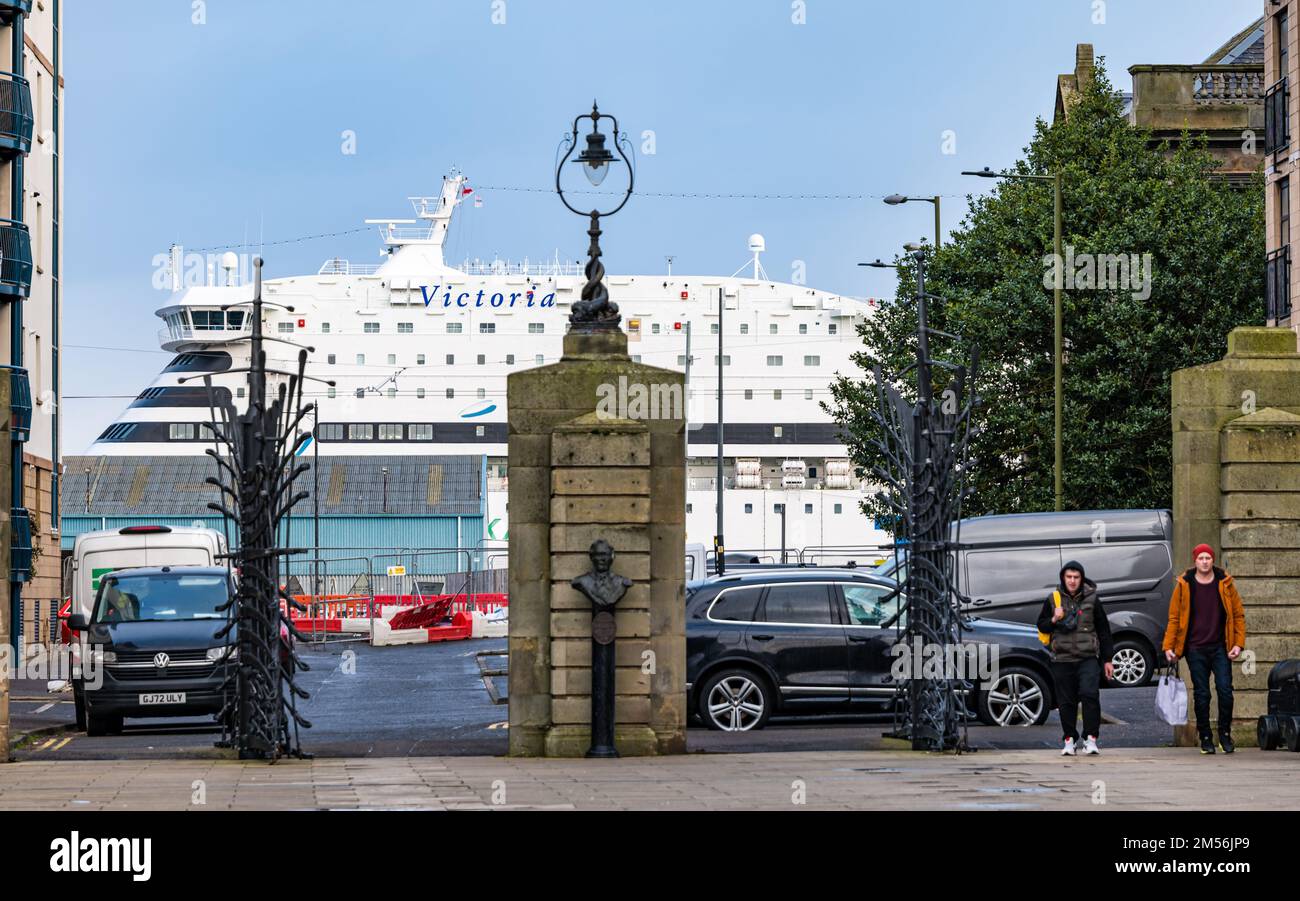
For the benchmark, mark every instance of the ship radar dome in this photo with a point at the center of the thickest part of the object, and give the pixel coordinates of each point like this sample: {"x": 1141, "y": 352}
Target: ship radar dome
{"x": 757, "y": 244}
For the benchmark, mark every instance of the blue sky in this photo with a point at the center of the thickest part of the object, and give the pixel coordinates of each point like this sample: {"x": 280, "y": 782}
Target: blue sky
{"x": 213, "y": 134}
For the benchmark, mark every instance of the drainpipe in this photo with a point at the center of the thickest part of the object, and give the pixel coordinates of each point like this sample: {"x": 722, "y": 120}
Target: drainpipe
{"x": 16, "y": 348}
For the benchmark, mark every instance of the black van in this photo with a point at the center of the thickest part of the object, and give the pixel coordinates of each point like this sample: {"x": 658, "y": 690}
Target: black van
{"x": 153, "y": 633}
{"x": 1010, "y": 563}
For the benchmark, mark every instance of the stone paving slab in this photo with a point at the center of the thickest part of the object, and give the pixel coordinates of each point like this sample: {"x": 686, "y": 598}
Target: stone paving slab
{"x": 1154, "y": 779}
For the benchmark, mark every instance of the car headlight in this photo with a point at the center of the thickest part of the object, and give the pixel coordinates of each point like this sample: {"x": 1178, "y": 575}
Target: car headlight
{"x": 100, "y": 656}
{"x": 226, "y": 652}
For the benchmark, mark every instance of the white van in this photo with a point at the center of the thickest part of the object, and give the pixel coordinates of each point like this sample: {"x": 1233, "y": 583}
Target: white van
{"x": 95, "y": 554}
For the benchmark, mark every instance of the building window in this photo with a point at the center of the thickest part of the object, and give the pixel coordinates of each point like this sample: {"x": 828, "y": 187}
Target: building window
{"x": 283, "y": 327}
{"x": 771, "y": 329}
{"x": 744, "y": 328}
{"x": 331, "y": 431}
{"x": 775, "y": 360}
{"x": 361, "y": 359}
{"x": 807, "y": 508}
{"x": 482, "y": 359}
{"x": 451, "y": 392}
{"x": 361, "y": 431}
{"x": 421, "y": 431}
{"x": 419, "y": 392}
{"x": 812, "y": 360}
{"x": 330, "y": 359}
{"x": 324, "y": 328}
{"x": 776, "y": 431}
{"x": 181, "y": 431}
{"x": 832, "y": 329}
{"x": 487, "y": 328}
{"x": 329, "y": 392}
{"x": 455, "y": 328}
{"x": 749, "y": 508}
{"x": 1284, "y": 211}
{"x": 839, "y": 508}
{"x": 370, "y": 328}
{"x": 536, "y": 328}
{"x": 405, "y": 328}
{"x": 419, "y": 359}
{"x": 776, "y": 394}
{"x": 510, "y": 359}
{"x": 803, "y": 328}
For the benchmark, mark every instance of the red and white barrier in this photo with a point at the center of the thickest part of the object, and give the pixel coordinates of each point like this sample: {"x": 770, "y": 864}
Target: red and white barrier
{"x": 407, "y": 619}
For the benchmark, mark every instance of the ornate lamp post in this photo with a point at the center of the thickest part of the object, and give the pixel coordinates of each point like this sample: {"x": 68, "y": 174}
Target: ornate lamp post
{"x": 594, "y": 312}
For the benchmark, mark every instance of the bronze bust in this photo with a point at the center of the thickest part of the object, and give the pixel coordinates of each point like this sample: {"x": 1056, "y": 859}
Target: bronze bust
{"x": 603, "y": 588}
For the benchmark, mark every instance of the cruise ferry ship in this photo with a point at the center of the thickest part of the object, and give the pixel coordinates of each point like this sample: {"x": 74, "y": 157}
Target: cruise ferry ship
{"x": 419, "y": 350}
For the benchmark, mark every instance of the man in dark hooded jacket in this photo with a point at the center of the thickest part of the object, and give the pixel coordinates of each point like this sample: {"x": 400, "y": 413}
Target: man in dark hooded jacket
{"x": 1079, "y": 639}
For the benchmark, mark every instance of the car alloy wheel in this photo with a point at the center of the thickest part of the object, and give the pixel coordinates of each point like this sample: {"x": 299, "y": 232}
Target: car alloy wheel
{"x": 735, "y": 703}
{"x": 1015, "y": 699}
{"x": 1131, "y": 665}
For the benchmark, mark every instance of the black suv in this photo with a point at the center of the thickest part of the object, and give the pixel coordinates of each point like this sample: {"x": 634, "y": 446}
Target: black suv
{"x": 789, "y": 641}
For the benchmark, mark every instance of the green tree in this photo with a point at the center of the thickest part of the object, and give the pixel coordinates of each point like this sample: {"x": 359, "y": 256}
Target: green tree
{"x": 1121, "y": 195}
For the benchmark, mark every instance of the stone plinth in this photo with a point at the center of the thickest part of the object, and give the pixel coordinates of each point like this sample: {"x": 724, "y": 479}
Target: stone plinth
{"x": 1236, "y": 450}
{"x": 596, "y": 451}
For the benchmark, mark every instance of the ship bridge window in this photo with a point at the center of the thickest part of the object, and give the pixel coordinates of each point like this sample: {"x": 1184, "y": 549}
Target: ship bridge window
{"x": 118, "y": 431}
{"x": 200, "y": 361}
{"x": 371, "y": 328}
{"x": 181, "y": 431}
{"x": 215, "y": 320}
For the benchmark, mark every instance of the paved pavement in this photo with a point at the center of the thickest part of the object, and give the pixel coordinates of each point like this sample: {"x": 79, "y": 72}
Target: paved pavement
{"x": 439, "y": 700}
{"x": 1158, "y": 779}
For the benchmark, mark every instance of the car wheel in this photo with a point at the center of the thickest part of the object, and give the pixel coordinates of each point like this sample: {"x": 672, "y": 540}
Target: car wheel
{"x": 1134, "y": 663}
{"x": 1268, "y": 733}
{"x": 1290, "y": 732}
{"x": 1017, "y": 697}
{"x": 79, "y": 704}
{"x": 102, "y": 724}
{"x": 735, "y": 700}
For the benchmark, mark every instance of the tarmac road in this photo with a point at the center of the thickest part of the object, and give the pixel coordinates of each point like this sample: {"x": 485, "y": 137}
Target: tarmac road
{"x": 433, "y": 700}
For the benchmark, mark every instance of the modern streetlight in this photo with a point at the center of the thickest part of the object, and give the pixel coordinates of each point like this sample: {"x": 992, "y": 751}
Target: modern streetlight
{"x": 896, "y": 199}
{"x": 594, "y": 312}
{"x": 1055, "y": 179}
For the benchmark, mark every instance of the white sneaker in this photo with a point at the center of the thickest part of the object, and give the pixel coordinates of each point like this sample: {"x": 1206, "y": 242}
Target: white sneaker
{"x": 1068, "y": 750}
{"x": 1090, "y": 745}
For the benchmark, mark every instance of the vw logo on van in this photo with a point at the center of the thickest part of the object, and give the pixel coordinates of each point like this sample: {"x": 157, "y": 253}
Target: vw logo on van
{"x": 161, "y": 660}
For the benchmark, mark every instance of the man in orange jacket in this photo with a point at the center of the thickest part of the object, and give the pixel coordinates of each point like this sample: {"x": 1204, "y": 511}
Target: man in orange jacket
{"x": 1208, "y": 626}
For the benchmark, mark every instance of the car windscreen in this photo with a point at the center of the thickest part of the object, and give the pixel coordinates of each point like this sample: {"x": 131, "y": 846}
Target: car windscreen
{"x": 161, "y": 597}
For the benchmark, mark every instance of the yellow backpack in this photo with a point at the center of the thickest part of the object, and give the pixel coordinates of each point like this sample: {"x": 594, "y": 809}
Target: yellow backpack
{"x": 1056, "y": 600}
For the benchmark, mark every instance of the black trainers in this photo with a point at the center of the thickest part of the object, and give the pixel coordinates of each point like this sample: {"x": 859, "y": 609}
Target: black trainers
{"x": 1225, "y": 742}
{"x": 1207, "y": 744}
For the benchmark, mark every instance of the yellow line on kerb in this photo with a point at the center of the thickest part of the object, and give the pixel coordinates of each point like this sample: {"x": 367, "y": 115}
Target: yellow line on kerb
{"x": 47, "y": 744}
{"x": 62, "y": 743}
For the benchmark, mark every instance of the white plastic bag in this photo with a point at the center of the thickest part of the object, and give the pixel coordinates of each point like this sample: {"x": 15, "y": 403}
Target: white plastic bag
{"x": 1171, "y": 697}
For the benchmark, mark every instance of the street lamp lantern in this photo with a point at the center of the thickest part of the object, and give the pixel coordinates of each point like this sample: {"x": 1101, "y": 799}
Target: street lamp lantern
{"x": 594, "y": 312}
{"x": 895, "y": 199}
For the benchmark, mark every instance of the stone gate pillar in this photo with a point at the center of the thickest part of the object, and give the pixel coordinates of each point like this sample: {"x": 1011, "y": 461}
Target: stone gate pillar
{"x": 1236, "y": 468}
{"x": 596, "y": 451}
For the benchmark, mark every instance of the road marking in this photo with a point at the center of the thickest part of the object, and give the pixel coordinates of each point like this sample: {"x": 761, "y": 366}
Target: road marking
{"x": 45, "y": 708}
{"x": 47, "y": 744}
{"x": 62, "y": 743}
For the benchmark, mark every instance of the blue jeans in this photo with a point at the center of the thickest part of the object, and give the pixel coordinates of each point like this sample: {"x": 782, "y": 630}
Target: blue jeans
{"x": 1201, "y": 661}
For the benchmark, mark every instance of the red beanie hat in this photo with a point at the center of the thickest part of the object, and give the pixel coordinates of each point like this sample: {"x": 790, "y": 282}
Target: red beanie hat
{"x": 1202, "y": 549}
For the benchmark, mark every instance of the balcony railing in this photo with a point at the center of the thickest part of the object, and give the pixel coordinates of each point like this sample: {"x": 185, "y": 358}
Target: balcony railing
{"x": 172, "y": 337}
{"x": 1227, "y": 84}
{"x": 1277, "y": 286}
{"x": 15, "y": 115}
{"x": 15, "y": 259}
{"x": 20, "y": 403}
{"x": 1277, "y": 121}
{"x": 20, "y": 545}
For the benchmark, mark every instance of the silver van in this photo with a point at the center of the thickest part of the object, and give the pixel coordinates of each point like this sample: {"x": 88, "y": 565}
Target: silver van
{"x": 1008, "y": 564}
